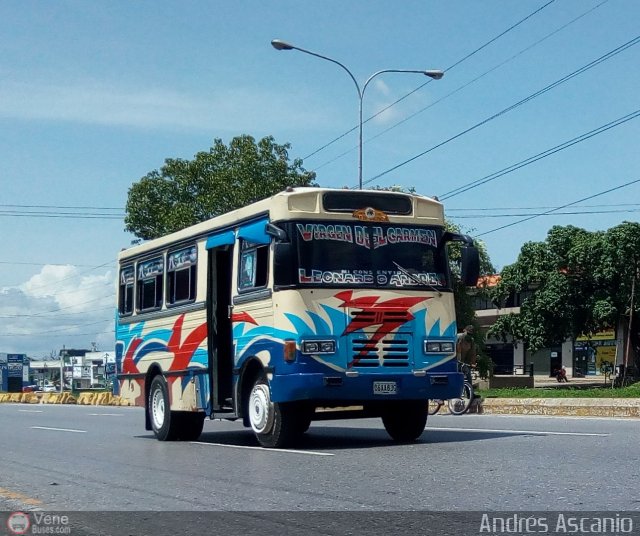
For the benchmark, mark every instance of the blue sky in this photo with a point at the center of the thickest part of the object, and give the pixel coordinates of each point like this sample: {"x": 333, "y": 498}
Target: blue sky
{"x": 94, "y": 95}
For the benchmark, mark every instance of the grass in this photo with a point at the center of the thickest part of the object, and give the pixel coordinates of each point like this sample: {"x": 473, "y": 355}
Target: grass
{"x": 566, "y": 391}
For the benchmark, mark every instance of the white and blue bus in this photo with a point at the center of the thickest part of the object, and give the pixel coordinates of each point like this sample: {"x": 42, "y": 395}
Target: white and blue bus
{"x": 290, "y": 310}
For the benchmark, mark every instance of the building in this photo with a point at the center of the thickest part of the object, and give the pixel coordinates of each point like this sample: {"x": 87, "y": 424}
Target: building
{"x": 583, "y": 357}
{"x": 14, "y": 372}
{"x": 93, "y": 370}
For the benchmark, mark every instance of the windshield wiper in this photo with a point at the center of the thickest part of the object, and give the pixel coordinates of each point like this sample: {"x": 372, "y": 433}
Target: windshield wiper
{"x": 415, "y": 279}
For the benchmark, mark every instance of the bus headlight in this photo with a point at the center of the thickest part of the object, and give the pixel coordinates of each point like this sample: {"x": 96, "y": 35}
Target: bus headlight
{"x": 318, "y": 347}
{"x": 438, "y": 347}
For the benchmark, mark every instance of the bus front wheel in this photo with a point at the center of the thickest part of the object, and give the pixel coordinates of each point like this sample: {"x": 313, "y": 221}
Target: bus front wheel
{"x": 274, "y": 424}
{"x": 405, "y": 421}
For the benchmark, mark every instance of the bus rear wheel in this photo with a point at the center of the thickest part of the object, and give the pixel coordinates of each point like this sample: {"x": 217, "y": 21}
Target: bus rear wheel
{"x": 164, "y": 422}
{"x": 275, "y": 424}
{"x": 405, "y": 421}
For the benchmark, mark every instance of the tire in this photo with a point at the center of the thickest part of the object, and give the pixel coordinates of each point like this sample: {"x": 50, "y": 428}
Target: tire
{"x": 405, "y": 421}
{"x": 164, "y": 423}
{"x": 190, "y": 425}
{"x": 274, "y": 424}
{"x": 458, "y": 406}
{"x": 434, "y": 406}
{"x": 304, "y": 416}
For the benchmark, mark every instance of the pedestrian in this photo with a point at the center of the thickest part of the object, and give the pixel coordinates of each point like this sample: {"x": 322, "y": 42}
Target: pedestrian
{"x": 562, "y": 375}
{"x": 466, "y": 347}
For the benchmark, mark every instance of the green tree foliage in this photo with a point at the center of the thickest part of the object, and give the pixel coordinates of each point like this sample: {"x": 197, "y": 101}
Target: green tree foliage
{"x": 185, "y": 192}
{"x": 465, "y": 310}
{"x": 576, "y": 283}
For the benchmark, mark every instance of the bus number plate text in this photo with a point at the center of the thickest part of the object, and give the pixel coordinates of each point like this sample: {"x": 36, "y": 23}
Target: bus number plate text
{"x": 385, "y": 388}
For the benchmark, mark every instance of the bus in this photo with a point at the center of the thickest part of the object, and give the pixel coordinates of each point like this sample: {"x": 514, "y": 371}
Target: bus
{"x": 312, "y": 304}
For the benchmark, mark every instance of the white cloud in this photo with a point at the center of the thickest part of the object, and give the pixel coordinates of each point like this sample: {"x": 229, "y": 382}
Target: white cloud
{"x": 58, "y": 306}
{"x": 381, "y": 87}
{"x": 108, "y": 104}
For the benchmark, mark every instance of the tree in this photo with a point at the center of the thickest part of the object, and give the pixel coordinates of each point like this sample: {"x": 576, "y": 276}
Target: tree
{"x": 578, "y": 283}
{"x": 185, "y": 192}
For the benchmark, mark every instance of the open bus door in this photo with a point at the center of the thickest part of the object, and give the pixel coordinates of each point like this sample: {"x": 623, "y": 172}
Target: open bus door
{"x": 220, "y": 328}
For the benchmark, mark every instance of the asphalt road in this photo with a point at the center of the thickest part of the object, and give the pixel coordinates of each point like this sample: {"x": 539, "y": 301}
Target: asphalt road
{"x": 87, "y": 458}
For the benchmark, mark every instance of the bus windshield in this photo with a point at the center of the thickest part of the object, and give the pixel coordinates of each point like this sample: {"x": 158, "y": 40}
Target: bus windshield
{"x": 363, "y": 254}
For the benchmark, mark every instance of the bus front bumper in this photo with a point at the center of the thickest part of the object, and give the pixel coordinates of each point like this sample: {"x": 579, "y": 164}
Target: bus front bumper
{"x": 366, "y": 386}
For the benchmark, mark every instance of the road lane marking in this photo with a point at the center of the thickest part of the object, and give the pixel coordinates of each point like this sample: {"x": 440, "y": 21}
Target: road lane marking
{"x": 106, "y": 414}
{"x": 503, "y": 431}
{"x": 263, "y": 449}
{"x": 15, "y": 496}
{"x": 59, "y": 429}
{"x": 31, "y": 410}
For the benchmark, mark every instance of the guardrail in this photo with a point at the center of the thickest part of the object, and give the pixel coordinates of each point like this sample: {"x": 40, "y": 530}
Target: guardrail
{"x": 85, "y": 398}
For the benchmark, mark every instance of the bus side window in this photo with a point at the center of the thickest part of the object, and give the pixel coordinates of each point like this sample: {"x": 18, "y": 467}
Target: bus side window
{"x": 125, "y": 295}
{"x": 253, "y": 269}
{"x": 181, "y": 276}
{"x": 150, "y": 284}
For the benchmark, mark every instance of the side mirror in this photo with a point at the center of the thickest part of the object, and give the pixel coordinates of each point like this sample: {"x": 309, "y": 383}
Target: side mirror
{"x": 470, "y": 265}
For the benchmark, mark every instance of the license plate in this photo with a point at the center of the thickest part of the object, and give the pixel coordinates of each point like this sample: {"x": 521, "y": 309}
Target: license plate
{"x": 385, "y": 388}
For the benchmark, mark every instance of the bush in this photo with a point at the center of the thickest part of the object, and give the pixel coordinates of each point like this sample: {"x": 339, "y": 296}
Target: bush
{"x": 485, "y": 366}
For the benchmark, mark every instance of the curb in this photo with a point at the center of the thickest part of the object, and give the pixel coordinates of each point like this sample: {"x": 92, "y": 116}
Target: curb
{"x": 87, "y": 399}
{"x": 578, "y": 407}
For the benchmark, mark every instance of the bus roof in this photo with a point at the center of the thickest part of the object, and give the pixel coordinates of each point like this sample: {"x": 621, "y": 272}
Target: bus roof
{"x": 298, "y": 203}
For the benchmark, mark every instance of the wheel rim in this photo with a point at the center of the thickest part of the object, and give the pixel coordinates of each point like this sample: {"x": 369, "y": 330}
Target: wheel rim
{"x": 260, "y": 408}
{"x": 157, "y": 409}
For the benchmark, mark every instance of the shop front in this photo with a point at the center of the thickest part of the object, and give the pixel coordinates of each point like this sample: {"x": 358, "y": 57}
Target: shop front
{"x": 593, "y": 355}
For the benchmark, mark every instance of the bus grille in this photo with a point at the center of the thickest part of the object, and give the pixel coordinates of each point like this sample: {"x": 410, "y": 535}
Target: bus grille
{"x": 383, "y": 353}
{"x": 390, "y": 318}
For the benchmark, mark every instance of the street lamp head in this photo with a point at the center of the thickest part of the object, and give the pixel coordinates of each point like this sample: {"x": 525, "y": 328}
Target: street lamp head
{"x": 278, "y": 44}
{"x": 436, "y": 75}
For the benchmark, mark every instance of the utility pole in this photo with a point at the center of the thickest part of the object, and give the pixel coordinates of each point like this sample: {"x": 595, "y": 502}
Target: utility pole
{"x": 628, "y": 348}
{"x": 63, "y": 354}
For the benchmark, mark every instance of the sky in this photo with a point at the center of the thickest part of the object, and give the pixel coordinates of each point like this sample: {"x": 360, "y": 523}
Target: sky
{"x": 95, "y": 95}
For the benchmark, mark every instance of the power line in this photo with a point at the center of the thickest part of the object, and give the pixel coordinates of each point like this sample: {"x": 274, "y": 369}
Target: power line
{"x": 40, "y": 316}
{"x": 573, "y": 213}
{"x": 459, "y": 88}
{"x": 422, "y": 85}
{"x": 65, "y": 207}
{"x": 540, "y": 208}
{"x": 73, "y": 276}
{"x": 57, "y": 331}
{"x": 45, "y": 264}
{"x": 540, "y": 156}
{"x": 508, "y": 109}
{"x": 561, "y": 207}
{"x": 68, "y": 215}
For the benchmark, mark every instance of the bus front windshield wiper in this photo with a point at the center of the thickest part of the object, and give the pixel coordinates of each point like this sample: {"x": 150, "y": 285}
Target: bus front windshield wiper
{"x": 416, "y": 279}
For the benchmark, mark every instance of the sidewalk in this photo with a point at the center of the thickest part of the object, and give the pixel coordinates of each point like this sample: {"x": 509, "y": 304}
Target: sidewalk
{"x": 577, "y": 407}
{"x": 564, "y": 406}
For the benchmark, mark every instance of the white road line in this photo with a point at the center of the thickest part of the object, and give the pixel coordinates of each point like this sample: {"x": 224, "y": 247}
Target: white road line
{"x": 506, "y": 431}
{"x": 106, "y": 414}
{"x": 30, "y": 410}
{"x": 263, "y": 449}
{"x": 60, "y": 429}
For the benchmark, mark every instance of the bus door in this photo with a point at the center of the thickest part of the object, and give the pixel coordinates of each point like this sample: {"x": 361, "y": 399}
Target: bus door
{"x": 252, "y": 302}
{"x": 220, "y": 249}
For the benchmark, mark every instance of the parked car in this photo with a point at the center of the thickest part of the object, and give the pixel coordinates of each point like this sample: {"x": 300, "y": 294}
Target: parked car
{"x": 47, "y": 386}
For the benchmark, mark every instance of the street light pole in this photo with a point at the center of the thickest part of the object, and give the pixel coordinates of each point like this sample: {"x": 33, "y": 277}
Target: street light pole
{"x": 278, "y": 44}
